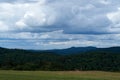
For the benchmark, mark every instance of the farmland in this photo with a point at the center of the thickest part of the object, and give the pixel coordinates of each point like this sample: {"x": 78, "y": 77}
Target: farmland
{"x": 58, "y": 75}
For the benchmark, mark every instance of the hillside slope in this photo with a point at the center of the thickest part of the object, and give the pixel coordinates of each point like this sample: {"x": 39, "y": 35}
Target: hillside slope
{"x": 99, "y": 59}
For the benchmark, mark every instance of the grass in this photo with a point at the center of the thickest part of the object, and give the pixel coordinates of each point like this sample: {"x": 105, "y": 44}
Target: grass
{"x": 58, "y": 75}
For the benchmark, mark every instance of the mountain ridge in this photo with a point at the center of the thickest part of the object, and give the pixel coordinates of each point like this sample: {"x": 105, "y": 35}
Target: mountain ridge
{"x": 74, "y": 50}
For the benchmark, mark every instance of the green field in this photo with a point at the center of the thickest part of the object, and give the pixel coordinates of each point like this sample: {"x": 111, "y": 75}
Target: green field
{"x": 58, "y": 75}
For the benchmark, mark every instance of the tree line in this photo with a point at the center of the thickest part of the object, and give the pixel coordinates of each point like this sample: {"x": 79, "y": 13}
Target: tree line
{"x": 14, "y": 59}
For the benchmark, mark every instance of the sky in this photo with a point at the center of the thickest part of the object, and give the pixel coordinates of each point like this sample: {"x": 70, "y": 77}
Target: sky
{"x": 57, "y": 24}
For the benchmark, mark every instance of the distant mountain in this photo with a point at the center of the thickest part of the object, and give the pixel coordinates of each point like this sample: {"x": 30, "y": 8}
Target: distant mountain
{"x": 78, "y": 50}
{"x": 72, "y": 50}
{"x": 107, "y": 50}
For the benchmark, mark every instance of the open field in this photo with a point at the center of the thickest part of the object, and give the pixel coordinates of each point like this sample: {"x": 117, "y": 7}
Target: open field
{"x": 58, "y": 75}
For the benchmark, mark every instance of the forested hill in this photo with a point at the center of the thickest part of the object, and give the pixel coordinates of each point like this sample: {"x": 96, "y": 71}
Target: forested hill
{"x": 72, "y": 50}
{"x": 105, "y": 59}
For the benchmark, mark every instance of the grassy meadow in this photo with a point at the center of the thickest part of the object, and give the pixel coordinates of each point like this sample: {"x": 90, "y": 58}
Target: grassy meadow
{"x": 58, "y": 75}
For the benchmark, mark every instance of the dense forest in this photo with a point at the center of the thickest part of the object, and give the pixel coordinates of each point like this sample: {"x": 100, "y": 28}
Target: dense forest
{"x": 95, "y": 59}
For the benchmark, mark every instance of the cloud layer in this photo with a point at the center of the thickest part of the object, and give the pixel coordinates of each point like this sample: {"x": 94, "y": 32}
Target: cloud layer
{"x": 53, "y": 23}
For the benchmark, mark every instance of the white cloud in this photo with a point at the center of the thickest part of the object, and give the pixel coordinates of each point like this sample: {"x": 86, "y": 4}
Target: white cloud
{"x": 114, "y": 16}
{"x": 18, "y": 16}
{"x": 62, "y": 23}
{"x": 45, "y": 15}
{"x": 3, "y": 27}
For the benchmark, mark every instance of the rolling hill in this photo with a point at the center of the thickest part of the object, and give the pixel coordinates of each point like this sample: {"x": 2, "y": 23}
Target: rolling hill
{"x": 87, "y": 58}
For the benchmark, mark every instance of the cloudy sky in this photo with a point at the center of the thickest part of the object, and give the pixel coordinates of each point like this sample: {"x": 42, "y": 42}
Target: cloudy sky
{"x": 50, "y": 24}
